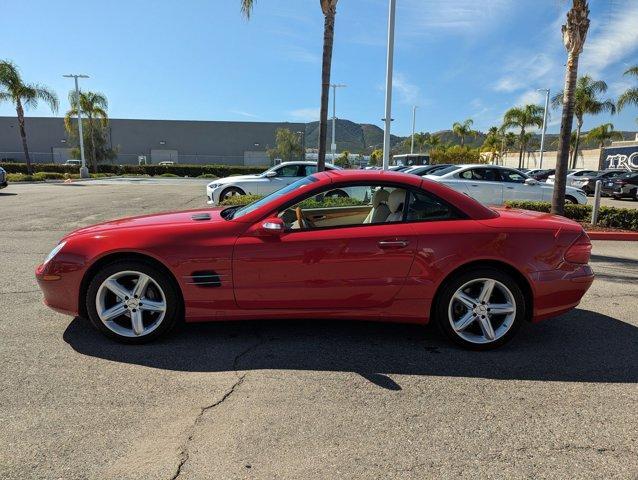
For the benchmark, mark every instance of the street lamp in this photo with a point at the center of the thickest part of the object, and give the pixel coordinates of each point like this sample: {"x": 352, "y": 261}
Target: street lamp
{"x": 333, "y": 146}
{"x": 302, "y": 141}
{"x": 388, "y": 85}
{"x": 84, "y": 172}
{"x": 413, "y": 124}
{"x": 546, "y": 90}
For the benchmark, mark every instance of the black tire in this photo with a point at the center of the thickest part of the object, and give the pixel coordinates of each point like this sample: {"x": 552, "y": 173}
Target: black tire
{"x": 570, "y": 200}
{"x": 172, "y": 316}
{"x": 229, "y": 192}
{"x": 449, "y": 288}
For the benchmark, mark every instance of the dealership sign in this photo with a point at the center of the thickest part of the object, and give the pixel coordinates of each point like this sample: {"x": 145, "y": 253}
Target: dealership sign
{"x": 622, "y": 157}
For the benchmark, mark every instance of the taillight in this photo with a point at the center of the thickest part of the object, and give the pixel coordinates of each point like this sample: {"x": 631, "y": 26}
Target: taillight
{"x": 579, "y": 251}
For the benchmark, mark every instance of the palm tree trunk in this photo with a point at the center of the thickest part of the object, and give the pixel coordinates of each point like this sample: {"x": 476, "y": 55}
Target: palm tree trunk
{"x": 462, "y": 140}
{"x": 520, "y": 153}
{"x": 600, "y": 156}
{"x": 579, "y": 125}
{"x": 23, "y": 136}
{"x": 328, "y": 38}
{"x": 92, "y": 136}
{"x": 566, "y": 121}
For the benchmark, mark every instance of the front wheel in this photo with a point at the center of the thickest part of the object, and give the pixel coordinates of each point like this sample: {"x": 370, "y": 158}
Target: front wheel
{"x": 230, "y": 192}
{"x": 133, "y": 302}
{"x": 480, "y": 309}
{"x": 569, "y": 200}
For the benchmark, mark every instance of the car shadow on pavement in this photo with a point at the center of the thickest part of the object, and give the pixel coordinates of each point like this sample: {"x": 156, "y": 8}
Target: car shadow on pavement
{"x": 581, "y": 346}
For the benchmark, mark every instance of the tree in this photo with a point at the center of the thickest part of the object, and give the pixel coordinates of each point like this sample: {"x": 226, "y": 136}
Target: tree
{"x": 375, "y": 157}
{"x": 523, "y": 117}
{"x": 630, "y": 96}
{"x": 14, "y": 90}
{"x": 493, "y": 143}
{"x": 329, "y": 9}
{"x": 464, "y": 130}
{"x": 343, "y": 160}
{"x": 93, "y": 106}
{"x": 288, "y": 145}
{"x": 586, "y": 101}
{"x": 602, "y": 134}
{"x": 434, "y": 142}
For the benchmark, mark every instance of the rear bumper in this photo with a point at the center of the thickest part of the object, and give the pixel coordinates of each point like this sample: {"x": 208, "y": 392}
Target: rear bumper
{"x": 558, "y": 291}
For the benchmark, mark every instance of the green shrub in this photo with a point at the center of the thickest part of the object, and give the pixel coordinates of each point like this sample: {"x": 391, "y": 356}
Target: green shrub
{"x": 19, "y": 177}
{"x": 241, "y": 200}
{"x": 611, "y": 217}
{"x": 40, "y": 176}
{"x": 179, "y": 169}
{"x": 307, "y": 203}
{"x": 456, "y": 155}
{"x": 168, "y": 175}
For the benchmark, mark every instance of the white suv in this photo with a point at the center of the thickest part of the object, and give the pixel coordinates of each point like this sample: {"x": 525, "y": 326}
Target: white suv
{"x": 264, "y": 183}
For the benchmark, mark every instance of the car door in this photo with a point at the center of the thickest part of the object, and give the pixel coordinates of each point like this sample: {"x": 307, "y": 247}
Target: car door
{"x": 336, "y": 267}
{"x": 515, "y": 188}
{"x": 483, "y": 184}
{"x": 284, "y": 176}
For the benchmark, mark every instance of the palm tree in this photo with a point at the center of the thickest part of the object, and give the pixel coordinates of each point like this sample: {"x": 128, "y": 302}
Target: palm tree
{"x": 601, "y": 135}
{"x": 14, "y": 90}
{"x": 523, "y": 117}
{"x": 329, "y": 9}
{"x": 464, "y": 130}
{"x": 629, "y": 97}
{"x": 493, "y": 143}
{"x": 434, "y": 142}
{"x": 574, "y": 32}
{"x": 586, "y": 101}
{"x": 93, "y": 105}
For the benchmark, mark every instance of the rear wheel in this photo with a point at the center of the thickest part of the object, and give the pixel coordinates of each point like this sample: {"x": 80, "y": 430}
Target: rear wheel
{"x": 480, "y": 309}
{"x": 133, "y": 302}
{"x": 570, "y": 200}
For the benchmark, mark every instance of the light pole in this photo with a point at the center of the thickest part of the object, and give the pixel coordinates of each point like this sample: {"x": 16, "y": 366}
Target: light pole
{"x": 388, "y": 85}
{"x": 84, "y": 172}
{"x": 333, "y": 145}
{"x": 302, "y": 142}
{"x": 413, "y": 124}
{"x": 546, "y": 90}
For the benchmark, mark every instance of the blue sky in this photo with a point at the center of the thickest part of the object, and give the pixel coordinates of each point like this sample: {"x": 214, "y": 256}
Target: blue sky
{"x": 200, "y": 60}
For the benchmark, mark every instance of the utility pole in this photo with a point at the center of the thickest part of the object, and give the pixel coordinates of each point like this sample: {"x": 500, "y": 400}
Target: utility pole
{"x": 546, "y": 90}
{"x": 333, "y": 146}
{"x": 388, "y": 85}
{"x": 413, "y": 124}
{"x": 84, "y": 172}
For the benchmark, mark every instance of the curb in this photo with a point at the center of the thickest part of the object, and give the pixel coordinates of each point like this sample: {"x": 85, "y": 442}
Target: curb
{"x": 617, "y": 236}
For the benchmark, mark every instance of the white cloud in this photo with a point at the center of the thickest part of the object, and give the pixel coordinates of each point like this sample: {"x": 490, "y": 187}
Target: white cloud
{"x": 530, "y": 97}
{"x": 244, "y": 114}
{"x": 300, "y": 54}
{"x": 527, "y": 71}
{"x": 408, "y": 92}
{"x": 612, "y": 40}
{"x": 305, "y": 114}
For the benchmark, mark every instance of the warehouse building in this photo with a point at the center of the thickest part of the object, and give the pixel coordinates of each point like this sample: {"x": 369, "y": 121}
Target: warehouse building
{"x": 153, "y": 141}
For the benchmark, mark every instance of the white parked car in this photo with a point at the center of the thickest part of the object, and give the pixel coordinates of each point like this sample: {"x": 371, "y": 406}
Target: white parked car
{"x": 574, "y": 177}
{"x": 3, "y": 178}
{"x": 264, "y": 183}
{"x": 494, "y": 185}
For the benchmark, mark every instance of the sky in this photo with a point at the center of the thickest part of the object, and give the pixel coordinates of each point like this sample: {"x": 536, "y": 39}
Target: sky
{"x": 201, "y": 60}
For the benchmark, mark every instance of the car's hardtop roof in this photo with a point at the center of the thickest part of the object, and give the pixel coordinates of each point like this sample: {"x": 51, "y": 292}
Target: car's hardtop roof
{"x": 303, "y": 162}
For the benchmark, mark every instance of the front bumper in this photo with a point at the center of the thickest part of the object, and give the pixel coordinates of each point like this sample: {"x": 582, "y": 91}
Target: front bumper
{"x": 60, "y": 286}
{"x": 4, "y": 184}
{"x": 212, "y": 195}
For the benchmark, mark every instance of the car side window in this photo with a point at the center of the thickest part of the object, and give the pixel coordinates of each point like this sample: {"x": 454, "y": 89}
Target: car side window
{"x": 309, "y": 169}
{"x": 512, "y": 176}
{"x": 479, "y": 174}
{"x": 425, "y": 207}
{"x": 289, "y": 171}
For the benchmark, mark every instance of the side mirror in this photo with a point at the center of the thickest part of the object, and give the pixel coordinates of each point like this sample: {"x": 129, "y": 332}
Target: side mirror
{"x": 531, "y": 181}
{"x": 272, "y": 226}
{"x": 270, "y": 174}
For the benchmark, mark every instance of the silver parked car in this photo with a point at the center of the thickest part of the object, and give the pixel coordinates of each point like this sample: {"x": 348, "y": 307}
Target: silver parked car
{"x": 3, "y": 178}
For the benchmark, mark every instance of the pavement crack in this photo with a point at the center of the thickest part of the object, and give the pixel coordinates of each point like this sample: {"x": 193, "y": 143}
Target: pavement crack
{"x": 184, "y": 454}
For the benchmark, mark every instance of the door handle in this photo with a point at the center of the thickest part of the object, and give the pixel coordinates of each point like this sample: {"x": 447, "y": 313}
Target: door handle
{"x": 474, "y": 185}
{"x": 387, "y": 244}
{"x": 510, "y": 188}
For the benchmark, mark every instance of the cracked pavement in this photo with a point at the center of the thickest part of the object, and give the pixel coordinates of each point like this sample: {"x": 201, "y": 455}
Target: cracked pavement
{"x": 302, "y": 399}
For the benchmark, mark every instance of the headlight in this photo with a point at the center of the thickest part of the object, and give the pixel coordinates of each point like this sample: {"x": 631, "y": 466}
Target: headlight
{"x": 214, "y": 185}
{"x": 54, "y": 252}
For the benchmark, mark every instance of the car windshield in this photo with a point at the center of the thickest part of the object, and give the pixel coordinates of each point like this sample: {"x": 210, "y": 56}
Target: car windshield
{"x": 445, "y": 170}
{"x": 628, "y": 175}
{"x": 235, "y": 212}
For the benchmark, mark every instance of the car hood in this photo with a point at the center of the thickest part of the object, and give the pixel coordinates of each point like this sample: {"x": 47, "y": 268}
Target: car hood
{"x": 236, "y": 178}
{"x": 158, "y": 219}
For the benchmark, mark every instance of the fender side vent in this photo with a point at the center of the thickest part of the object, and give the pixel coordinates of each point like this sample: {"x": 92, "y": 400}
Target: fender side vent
{"x": 200, "y": 217}
{"x": 205, "y": 279}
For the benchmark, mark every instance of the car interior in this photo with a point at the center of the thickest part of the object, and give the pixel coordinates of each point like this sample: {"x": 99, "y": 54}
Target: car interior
{"x": 360, "y": 205}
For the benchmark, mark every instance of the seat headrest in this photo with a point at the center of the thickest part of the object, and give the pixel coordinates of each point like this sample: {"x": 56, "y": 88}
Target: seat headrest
{"x": 396, "y": 199}
{"x": 379, "y": 197}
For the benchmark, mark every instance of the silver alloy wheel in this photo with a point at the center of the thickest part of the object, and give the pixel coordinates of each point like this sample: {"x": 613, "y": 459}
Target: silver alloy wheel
{"x": 130, "y": 303}
{"x": 482, "y": 311}
{"x": 230, "y": 193}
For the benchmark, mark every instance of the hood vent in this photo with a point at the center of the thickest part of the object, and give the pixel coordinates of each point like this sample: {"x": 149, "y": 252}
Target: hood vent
{"x": 206, "y": 279}
{"x": 199, "y": 217}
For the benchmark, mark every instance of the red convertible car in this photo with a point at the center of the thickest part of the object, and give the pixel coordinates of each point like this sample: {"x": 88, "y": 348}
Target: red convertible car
{"x": 365, "y": 245}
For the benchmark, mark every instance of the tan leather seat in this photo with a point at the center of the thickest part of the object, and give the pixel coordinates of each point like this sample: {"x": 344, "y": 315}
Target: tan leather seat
{"x": 380, "y": 210}
{"x": 395, "y": 203}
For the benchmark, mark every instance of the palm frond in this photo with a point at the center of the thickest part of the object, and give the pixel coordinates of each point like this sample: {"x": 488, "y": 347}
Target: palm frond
{"x": 629, "y": 97}
{"x": 247, "y": 8}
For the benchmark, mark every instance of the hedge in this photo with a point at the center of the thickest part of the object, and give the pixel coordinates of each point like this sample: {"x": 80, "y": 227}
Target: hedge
{"x": 179, "y": 169}
{"x": 611, "y": 217}
{"x": 455, "y": 155}
{"x": 307, "y": 203}
{"x": 42, "y": 176}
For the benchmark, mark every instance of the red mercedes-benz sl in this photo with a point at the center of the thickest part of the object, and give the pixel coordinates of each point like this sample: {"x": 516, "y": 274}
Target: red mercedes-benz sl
{"x": 365, "y": 245}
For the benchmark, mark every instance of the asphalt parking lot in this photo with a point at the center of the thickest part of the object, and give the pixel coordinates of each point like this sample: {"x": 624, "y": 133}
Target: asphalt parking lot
{"x": 302, "y": 399}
